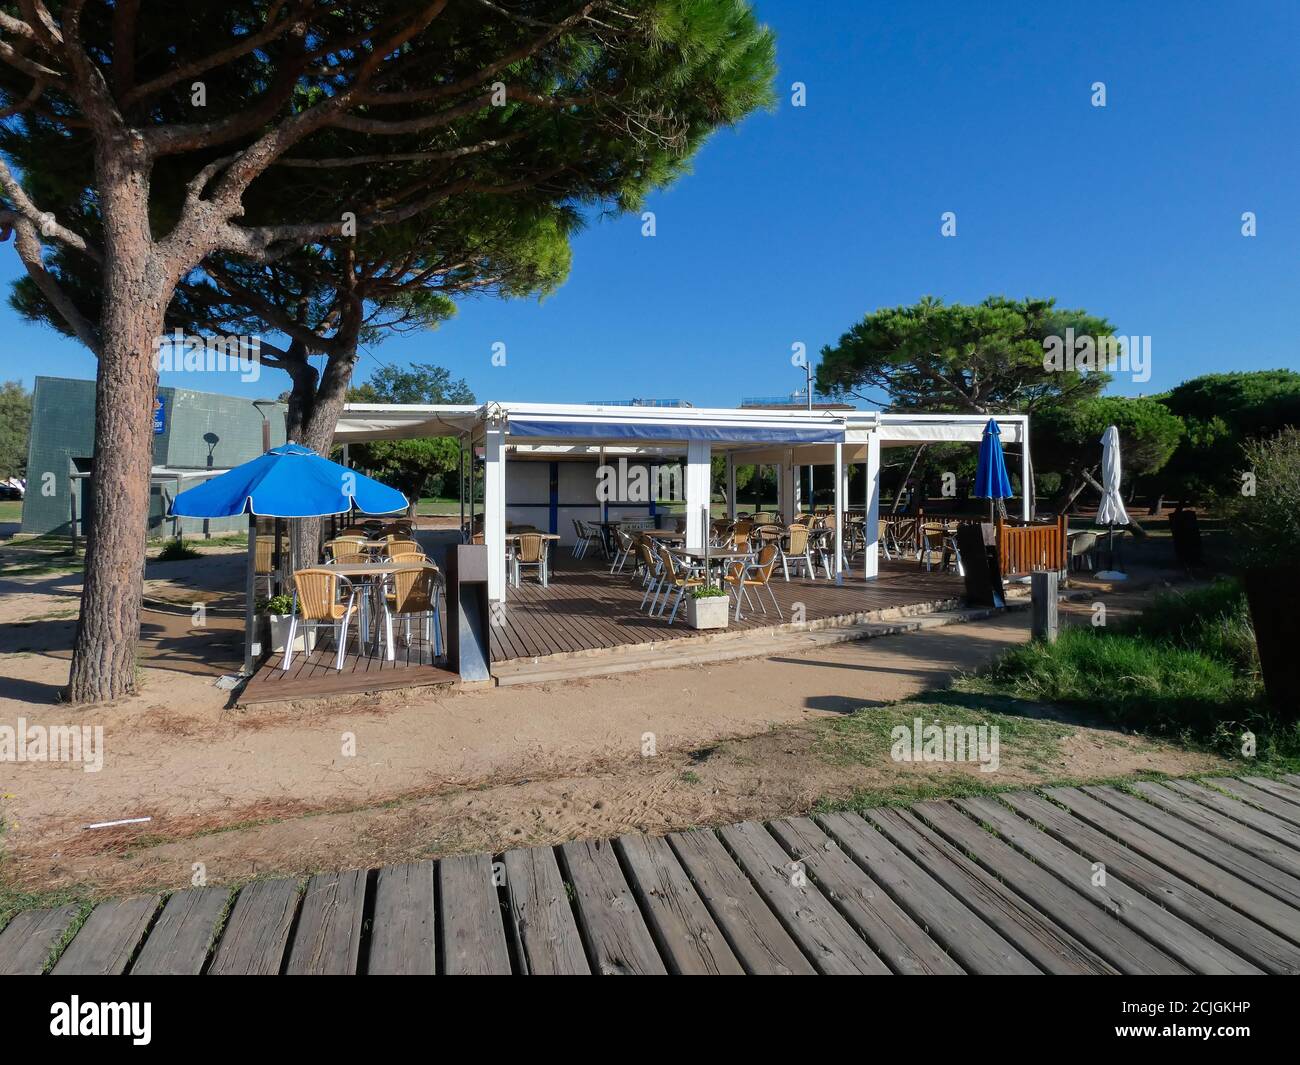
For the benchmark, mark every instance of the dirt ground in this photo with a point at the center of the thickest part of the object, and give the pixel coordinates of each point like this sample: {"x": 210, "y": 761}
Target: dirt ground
{"x": 389, "y": 778}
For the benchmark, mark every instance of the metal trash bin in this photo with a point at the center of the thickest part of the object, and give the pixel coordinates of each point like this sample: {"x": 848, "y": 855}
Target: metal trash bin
{"x": 469, "y": 615}
{"x": 978, "y": 546}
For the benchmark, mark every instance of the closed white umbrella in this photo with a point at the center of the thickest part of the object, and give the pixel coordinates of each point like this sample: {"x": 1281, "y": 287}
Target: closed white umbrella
{"x": 1111, "y": 512}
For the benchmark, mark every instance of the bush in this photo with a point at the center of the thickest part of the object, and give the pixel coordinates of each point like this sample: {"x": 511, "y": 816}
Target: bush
{"x": 277, "y": 604}
{"x": 1267, "y": 522}
{"x": 177, "y": 551}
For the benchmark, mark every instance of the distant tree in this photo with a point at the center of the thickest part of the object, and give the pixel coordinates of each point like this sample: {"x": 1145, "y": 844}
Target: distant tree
{"x": 1067, "y": 440}
{"x": 15, "y": 427}
{"x": 983, "y": 359}
{"x": 408, "y": 465}
{"x": 1221, "y": 413}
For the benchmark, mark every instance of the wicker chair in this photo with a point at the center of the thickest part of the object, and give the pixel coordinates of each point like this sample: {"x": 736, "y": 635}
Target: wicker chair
{"x": 345, "y": 558}
{"x": 264, "y": 561}
{"x": 796, "y": 548}
{"x": 415, "y": 593}
{"x": 530, "y": 550}
{"x": 582, "y": 538}
{"x": 681, "y": 580}
{"x": 651, "y": 572}
{"x": 745, "y": 575}
{"x": 407, "y": 556}
{"x": 401, "y": 543}
{"x": 625, "y": 546}
{"x": 346, "y": 545}
{"x": 316, "y": 603}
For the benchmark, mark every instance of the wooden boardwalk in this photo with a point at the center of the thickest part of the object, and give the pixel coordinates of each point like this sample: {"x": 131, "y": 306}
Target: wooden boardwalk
{"x": 1188, "y": 878}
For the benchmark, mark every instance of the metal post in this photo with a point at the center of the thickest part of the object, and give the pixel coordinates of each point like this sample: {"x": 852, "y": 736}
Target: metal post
{"x": 1043, "y": 585}
{"x": 250, "y": 590}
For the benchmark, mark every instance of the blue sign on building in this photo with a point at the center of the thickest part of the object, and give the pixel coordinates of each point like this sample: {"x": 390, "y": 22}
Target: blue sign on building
{"x": 159, "y": 416}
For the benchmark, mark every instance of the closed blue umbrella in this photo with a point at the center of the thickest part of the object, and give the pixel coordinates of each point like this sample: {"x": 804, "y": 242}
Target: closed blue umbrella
{"x": 991, "y": 480}
{"x": 288, "y": 482}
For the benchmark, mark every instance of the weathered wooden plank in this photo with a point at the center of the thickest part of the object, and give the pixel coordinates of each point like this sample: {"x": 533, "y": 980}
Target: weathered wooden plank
{"x": 180, "y": 939}
{"x": 327, "y": 939}
{"x": 961, "y": 932}
{"x": 473, "y": 937}
{"x": 758, "y": 939}
{"x": 1044, "y": 942}
{"x": 30, "y": 936}
{"x": 1107, "y": 913}
{"x": 688, "y": 939}
{"x": 825, "y": 936}
{"x": 1233, "y": 858}
{"x": 896, "y": 937}
{"x": 256, "y": 935}
{"x": 1238, "y": 811}
{"x": 109, "y": 938}
{"x": 1279, "y": 808}
{"x": 1279, "y": 788}
{"x": 617, "y": 939}
{"x": 402, "y": 930}
{"x": 1243, "y": 837}
{"x": 1185, "y": 884}
{"x": 545, "y": 930}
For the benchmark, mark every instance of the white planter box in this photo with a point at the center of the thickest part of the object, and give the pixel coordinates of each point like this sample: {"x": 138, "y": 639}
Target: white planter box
{"x": 711, "y": 613}
{"x": 305, "y": 640}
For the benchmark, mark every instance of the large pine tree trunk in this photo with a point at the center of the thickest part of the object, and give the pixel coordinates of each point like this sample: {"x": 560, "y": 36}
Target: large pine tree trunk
{"x": 104, "y": 653}
{"x": 314, "y": 410}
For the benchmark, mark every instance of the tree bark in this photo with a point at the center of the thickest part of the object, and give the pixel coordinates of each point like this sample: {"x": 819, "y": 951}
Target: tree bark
{"x": 108, "y": 629}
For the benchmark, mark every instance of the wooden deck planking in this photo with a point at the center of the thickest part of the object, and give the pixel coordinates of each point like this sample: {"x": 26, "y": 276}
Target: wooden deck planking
{"x": 899, "y": 940}
{"x": 982, "y": 885}
{"x": 973, "y": 942}
{"x": 1152, "y": 863}
{"x": 757, "y": 938}
{"x": 541, "y": 917}
{"x": 1266, "y": 801}
{"x": 181, "y": 937}
{"x": 256, "y": 935}
{"x": 687, "y": 936}
{"x": 1142, "y": 937}
{"x": 1044, "y": 942}
{"x": 28, "y": 940}
{"x": 1279, "y": 788}
{"x": 825, "y": 936}
{"x": 618, "y": 941}
{"x": 1239, "y": 811}
{"x": 109, "y": 938}
{"x": 327, "y": 939}
{"x": 403, "y": 943}
{"x": 473, "y": 937}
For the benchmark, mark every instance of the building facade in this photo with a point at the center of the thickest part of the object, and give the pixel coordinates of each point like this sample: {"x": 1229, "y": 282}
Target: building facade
{"x": 193, "y": 432}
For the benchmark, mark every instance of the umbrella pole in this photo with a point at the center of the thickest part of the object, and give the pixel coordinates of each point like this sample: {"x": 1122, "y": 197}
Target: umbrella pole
{"x": 250, "y": 590}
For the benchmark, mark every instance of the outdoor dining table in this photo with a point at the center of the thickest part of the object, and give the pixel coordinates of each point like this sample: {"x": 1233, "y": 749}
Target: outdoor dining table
{"x": 371, "y": 575}
{"x": 724, "y": 556}
{"x": 662, "y": 534}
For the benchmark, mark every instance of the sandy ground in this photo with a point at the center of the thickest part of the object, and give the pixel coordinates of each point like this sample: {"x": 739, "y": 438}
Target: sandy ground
{"x": 388, "y": 778}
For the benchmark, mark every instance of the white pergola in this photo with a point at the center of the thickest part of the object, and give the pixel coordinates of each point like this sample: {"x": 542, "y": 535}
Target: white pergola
{"x": 786, "y": 439}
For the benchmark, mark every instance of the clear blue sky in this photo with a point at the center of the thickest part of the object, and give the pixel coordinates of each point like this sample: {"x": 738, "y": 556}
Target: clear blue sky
{"x": 801, "y": 221}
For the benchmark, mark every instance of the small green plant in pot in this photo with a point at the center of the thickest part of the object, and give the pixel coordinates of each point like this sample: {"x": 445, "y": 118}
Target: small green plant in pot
{"x": 708, "y": 607}
{"x": 278, "y": 611}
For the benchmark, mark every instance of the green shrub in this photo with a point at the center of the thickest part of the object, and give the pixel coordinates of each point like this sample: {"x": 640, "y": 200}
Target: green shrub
{"x": 177, "y": 551}
{"x": 277, "y": 604}
{"x": 1266, "y": 522}
{"x": 708, "y": 591}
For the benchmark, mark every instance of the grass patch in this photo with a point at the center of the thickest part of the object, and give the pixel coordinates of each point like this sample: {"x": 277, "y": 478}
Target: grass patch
{"x": 1186, "y": 669}
{"x": 177, "y": 551}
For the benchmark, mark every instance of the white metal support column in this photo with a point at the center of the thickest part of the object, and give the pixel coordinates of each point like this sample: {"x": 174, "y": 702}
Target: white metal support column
{"x": 697, "y": 490}
{"x": 731, "y": 486}
{"x": 790, "y": 478}
{"x": 494, "y": 509}
{"x": 871, "y": 524}
{"x": 839, "y": 511}
{"x": 1026, "y": 489}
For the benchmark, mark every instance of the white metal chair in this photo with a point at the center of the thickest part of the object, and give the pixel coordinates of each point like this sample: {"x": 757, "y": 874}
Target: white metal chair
{"x": 583, "y": 537}
{"x": 316, "y": 604}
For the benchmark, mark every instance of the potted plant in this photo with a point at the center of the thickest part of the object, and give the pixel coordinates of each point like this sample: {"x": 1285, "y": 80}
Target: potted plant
{"x": 708, "y": 608}
{"x": 278, "y": 610}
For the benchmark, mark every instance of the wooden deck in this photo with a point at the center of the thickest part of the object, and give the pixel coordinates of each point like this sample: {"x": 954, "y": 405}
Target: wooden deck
{"x": 585, "y": 608}
{"x": 1196, "y": 879}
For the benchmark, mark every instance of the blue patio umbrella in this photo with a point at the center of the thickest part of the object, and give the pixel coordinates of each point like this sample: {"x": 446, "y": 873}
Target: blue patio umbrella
{"x": 287, "y": 482}
{"x": 991, "y": 480}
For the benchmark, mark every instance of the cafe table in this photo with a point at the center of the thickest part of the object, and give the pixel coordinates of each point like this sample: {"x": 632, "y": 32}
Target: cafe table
{"x": 723, "y": 556}
{"x": 371, "y": 576}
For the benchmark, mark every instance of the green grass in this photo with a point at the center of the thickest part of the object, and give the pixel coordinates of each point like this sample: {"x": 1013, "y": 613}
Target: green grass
{"x": 1186, "y": 668}
{"x": 11, "y": 510}
{"x": 430, "y": 506}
